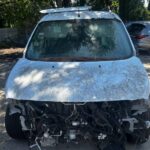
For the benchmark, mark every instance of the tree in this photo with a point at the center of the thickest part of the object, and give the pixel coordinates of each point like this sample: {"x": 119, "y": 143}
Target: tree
{"x": 100, "y": 4}
{"x": 19, "y": 13}
{"x": 115, "y": 6}
{"x": 132, "y": 10}
{"x": 148, "y": 6}
{"x": 63, "y": 3}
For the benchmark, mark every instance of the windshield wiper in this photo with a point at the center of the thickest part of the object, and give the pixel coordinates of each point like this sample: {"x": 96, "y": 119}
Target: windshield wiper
{"x": 72, "y": 59}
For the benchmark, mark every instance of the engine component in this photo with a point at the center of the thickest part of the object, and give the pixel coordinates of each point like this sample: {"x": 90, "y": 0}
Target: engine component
{"x": 101, "y": 136}
{"x": 131, "y": 122}
{"x": 51, "y": 123}
{"x": 75, "y": 123}
{"x": 35, "y": 146}
{"x": 48, "y": 141}
{"x": 24, "y": 127}
{"x": 72, "y": 134}
{"x": 147, "y": 124}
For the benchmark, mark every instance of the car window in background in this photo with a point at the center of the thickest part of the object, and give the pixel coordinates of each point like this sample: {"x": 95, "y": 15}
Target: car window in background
{"x": 77, "y": 40}
{"x": 147, "y": 30}
{"x": 135, "y": 29}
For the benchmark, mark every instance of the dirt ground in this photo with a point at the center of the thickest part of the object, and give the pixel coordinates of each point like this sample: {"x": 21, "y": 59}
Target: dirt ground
{"x": 8, "y": 57}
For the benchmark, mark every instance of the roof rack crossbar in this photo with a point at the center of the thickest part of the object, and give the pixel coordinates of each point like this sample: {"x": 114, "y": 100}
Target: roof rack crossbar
{"x": 69, "y": 9}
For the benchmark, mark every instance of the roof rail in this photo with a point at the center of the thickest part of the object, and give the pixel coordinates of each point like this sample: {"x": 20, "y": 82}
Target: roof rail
{"x": 68, "y": 9}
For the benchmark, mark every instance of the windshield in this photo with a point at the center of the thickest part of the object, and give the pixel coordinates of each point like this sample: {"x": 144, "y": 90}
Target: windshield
{"x": 79, "y": 40}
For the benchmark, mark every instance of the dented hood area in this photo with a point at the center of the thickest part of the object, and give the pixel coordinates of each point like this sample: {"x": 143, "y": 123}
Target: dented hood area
{"x": 78, "y": 81}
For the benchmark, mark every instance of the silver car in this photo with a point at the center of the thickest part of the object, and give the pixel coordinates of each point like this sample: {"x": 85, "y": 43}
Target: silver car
{"x": 140, "y": 34}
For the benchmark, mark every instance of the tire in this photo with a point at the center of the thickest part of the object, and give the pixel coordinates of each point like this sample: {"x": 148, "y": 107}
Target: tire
{"x": 113, "y": 146}
{"x": 13, "y": 125}
{"x": 138, "y": 137}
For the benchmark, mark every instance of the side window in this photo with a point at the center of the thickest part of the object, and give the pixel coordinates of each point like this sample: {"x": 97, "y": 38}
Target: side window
{"x": 145, "y": 31}
{"x": 148, "y": 30}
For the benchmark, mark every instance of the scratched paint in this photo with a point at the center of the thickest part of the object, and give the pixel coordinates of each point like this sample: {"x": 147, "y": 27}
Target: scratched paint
{"x": 78, "y": 81}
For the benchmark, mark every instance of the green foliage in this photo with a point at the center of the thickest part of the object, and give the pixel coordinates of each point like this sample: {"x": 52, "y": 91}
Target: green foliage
{"x": 133, "y": 10}
{"x": 19, "y": 13}
{"x": 97, "y": 4}
{"x": 138, "y": 12}
{"x": 149, "y": 6}
{"x": 115, "y": 6}
{"x": 100, "y": 4}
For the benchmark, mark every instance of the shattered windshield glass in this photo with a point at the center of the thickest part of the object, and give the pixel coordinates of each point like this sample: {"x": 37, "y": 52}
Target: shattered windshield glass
{"x": 79, "y": 40}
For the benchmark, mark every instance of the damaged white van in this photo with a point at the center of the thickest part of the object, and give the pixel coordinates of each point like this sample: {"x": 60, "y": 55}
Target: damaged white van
{"x": 79, "y": 80}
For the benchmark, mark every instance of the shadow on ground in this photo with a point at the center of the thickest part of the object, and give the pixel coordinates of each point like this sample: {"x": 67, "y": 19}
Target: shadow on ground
{"x": 10, "y": 57}
{"x": 16, "y": 145}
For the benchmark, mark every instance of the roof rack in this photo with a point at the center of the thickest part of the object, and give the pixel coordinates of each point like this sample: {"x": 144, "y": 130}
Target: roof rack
{"x": 69, "y": 9}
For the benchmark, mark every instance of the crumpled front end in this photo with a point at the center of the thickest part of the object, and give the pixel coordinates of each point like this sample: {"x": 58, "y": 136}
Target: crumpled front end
{"x": 47, "y": 124}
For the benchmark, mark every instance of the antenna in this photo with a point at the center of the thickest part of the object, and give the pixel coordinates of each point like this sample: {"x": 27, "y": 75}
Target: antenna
{"x": 78, "y": 8}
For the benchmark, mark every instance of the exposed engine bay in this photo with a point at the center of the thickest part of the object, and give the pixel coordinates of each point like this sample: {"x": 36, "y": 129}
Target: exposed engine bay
{"x": 48, "y": 123}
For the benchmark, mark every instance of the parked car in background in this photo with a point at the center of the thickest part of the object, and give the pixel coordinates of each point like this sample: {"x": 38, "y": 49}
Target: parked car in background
{"x": 140, "y": 34}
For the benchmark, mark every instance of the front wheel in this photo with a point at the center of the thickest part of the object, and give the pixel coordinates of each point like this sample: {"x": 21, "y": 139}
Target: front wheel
{"x": 13, "y": 125}
{"x": 113, "y": 146}
{"x": 138, "y": 137}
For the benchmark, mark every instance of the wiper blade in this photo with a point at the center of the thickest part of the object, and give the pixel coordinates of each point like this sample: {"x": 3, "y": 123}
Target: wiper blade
{"x": 72, "y": 59}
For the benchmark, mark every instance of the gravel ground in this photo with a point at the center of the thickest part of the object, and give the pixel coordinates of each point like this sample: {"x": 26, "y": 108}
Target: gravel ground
{"x": 7, "y": 60}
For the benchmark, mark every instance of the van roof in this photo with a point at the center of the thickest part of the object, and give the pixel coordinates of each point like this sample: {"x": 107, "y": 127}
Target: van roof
{"x": 76, "y": 13}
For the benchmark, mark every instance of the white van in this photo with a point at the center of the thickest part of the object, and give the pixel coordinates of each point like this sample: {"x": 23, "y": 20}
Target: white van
{"x": 79, "y": 79}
